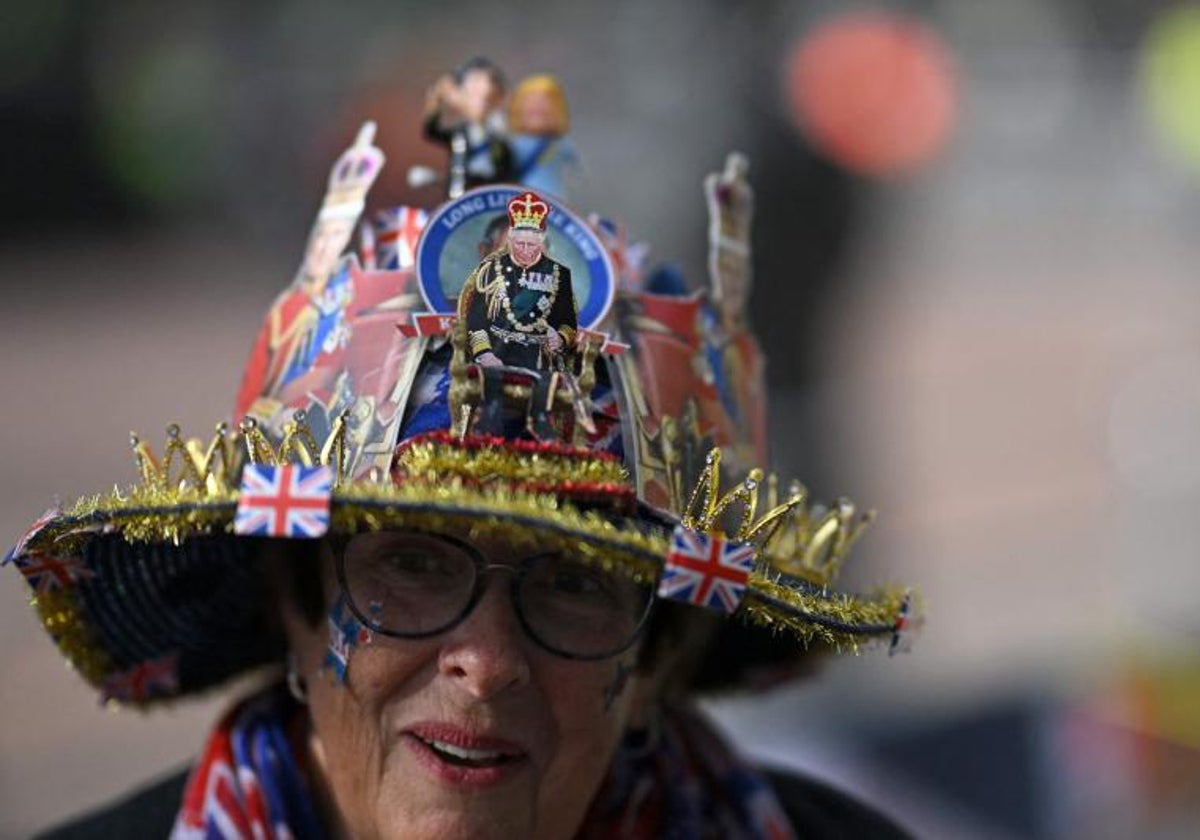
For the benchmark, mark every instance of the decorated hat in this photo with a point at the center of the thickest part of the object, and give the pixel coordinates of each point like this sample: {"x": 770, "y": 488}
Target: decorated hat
{"x": 363, "y": 407}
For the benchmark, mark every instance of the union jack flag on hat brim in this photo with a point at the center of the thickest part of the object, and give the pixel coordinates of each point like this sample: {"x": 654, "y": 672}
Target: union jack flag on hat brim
{"x": 284, "y": 501}
{"x": 36, "y": 528}
{"x": 47, "y": 573}
{"x": 153, "y": 678}
{"x": 706, "y": 570}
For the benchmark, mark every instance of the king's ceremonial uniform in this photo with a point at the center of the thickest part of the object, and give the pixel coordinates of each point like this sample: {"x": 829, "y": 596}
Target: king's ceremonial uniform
{"x": 510, "y": 309}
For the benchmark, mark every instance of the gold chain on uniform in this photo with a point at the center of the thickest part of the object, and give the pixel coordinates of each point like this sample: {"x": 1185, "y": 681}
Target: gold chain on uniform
{"x": 496, "y": 293}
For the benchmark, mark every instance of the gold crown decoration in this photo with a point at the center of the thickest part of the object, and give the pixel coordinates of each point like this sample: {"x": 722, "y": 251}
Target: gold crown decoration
{"x": 187, "y": 464}
{"x": 298, "y": 446}
{"x": 528, "y": 211}
{"x": 352, "y": 176}
{"x": 812, "y": 543}
{"x": 806, "y": 542}
{"x": 707, "y": 508}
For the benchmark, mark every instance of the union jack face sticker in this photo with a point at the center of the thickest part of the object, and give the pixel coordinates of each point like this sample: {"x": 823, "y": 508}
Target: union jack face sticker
{"x": 284, "y": 501}
{"x": 345, "y": 634}
{"x": 706, "y": 570}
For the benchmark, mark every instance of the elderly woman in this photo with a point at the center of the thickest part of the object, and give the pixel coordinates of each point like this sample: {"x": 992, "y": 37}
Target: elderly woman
{"x": 473, "y": 635}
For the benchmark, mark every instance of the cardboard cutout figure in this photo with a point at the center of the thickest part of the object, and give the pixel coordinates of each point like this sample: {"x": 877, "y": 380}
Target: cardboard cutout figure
{"x": 518, "y": 304}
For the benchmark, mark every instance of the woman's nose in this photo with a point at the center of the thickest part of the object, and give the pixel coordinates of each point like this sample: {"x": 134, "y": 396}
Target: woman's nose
{"x": 487, "y": 654}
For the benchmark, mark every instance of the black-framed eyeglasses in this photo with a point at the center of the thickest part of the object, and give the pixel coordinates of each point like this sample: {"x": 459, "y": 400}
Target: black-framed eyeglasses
{"x": 415, "y": 584}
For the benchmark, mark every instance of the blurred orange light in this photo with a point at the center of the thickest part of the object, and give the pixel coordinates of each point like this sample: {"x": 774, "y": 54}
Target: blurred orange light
{"x": 874, "y": 91}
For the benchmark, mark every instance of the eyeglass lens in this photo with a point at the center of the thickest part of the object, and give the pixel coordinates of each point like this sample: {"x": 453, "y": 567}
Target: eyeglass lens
{"x": 413, "y": 584}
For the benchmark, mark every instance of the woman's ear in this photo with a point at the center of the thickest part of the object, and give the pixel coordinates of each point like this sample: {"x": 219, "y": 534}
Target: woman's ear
{"x": 294, "y": 580}
{"x": 674, "y": 644}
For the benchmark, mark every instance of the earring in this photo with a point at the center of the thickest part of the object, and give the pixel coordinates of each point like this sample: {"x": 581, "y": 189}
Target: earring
{"x": 295, "y": 683}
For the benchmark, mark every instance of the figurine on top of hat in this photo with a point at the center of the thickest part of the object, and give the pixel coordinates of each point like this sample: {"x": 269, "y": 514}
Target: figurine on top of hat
{"x": 463, "y": 113}
{"x": 536, "y": 393}
{"x": 543, "y": 157}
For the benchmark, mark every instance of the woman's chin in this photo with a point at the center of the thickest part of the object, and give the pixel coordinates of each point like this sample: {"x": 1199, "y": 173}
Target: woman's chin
{"x": 457, "y": 819}
{"x": 434, "y": 800}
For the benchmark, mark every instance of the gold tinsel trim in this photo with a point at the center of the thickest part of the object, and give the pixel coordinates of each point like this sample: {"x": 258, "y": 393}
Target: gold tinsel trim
{"x": 802, "y": 612}
{"x": 522, "y": 518}
{"x": 435, "y": 460}
{"x": 453, "y": 506}
{"x": 63, "y": 619}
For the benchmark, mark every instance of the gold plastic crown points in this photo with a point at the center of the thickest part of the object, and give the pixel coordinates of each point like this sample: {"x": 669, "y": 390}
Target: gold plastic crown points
{"x": 706, "y": 507}
{"x": 794, "y": 538}
{"x": 187, "y": 463}
{"x": 814, "y": 543}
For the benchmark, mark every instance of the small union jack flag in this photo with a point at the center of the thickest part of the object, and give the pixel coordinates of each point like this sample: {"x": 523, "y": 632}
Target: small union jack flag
{"x": 902, "y": 630}
{"x": 46, "y": 573}
{"x": 34, "y": 529}
{"x": 706, "y": 570}
{"x": 606, "y": 416}
{"x": 153, "y": 678}
{"x": 284, "y": 501}
{"x": 396, "y": 234}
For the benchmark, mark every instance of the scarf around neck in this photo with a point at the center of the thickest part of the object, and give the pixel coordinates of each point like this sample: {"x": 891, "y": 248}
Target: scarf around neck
{"x": 677, "y": 780}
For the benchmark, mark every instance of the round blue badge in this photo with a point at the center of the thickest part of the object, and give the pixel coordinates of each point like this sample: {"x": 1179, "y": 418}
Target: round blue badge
{"x": 462, "y": 232}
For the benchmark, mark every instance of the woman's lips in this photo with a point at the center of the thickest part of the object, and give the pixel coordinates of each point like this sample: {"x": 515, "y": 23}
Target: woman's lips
{"x": 459, "y": 757}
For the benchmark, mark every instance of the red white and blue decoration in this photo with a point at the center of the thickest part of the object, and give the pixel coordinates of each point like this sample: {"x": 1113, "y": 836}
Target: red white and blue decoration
{"x": 48, "y": 573}
{"x": 397, "y": 232}
{"x": 706, "y": 570}
{"x": 248, "y": 783}
{"x": 456, "y": 238}
{"x": 34, "y": 529}
{"x": 284, "y": 501}
{"x": 345, "y": 633}
{"x": 902, "y": 630}
{"x": 154, "y": 678}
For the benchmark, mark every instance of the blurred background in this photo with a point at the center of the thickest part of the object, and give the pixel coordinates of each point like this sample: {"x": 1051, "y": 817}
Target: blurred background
{"x": 975, "y": 253}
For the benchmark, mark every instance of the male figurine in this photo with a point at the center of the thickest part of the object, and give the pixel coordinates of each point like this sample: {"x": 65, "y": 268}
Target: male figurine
{"x": 462, "y": 113}
{"x": 518, "y": 304}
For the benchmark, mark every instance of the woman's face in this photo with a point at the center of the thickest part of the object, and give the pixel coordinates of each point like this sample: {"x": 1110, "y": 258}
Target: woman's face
{"x": 477, "y": 732}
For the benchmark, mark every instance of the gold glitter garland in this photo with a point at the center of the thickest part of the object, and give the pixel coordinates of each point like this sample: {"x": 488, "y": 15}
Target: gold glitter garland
{"x": 436, "y": 460}
{"x": 521, "y": 518}
{"x": 60, "y": 614}
{"x": 805, "y": 610}
{"x": 431, "y": 501}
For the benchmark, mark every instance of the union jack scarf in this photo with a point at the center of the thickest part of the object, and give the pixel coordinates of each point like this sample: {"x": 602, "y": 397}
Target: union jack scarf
{"x": 248, "y": 783}
{"x": 680, "y": 780}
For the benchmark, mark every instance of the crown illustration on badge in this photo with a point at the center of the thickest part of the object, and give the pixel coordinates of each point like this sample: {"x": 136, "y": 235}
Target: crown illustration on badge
{"x": 216, "y": 468}
{"x": 791, "y": 538}
{"x": 528, "y": 211}
{"x": 352, "y": 176}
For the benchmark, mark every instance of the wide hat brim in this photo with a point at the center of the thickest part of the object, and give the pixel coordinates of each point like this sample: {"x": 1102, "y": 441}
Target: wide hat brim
{"x": 151, "y": 594}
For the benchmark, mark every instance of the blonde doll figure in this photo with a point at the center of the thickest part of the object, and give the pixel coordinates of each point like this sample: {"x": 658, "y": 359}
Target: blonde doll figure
{"x": 543, "y": 157}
